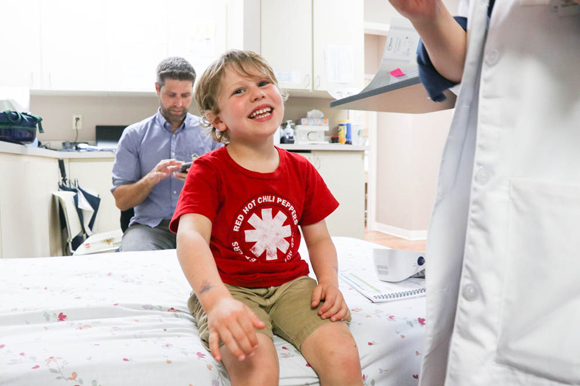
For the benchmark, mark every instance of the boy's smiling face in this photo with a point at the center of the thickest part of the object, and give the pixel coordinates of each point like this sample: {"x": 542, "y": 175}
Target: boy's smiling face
{"x": 251, "y": 108}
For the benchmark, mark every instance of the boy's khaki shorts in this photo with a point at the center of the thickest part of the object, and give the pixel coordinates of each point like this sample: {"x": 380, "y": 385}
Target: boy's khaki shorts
{"x": 285, "y": 310}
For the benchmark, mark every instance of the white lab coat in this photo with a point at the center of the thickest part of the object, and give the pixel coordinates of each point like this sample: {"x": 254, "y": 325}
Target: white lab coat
{"x": 503, "y": 303}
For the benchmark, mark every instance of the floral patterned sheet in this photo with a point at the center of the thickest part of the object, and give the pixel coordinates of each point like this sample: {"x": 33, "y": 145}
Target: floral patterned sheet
{"x": 122, "y": 319}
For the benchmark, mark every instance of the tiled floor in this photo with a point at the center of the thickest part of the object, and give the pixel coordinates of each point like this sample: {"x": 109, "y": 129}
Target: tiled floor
{"x": 394, "y": 242}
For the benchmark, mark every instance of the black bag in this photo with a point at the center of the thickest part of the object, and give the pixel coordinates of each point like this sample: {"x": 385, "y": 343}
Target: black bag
{"x": 19, "y": 127}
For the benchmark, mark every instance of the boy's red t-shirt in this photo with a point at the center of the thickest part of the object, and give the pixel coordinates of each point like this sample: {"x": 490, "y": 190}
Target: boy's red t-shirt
{"x": 255, "y": 216}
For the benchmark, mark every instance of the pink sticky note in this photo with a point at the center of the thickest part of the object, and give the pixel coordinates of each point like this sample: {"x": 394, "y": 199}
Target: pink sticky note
{"x": 397, "y": 72}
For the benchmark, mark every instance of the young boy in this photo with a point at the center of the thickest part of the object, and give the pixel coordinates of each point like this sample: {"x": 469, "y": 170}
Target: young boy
{"x": 237, "y": 237}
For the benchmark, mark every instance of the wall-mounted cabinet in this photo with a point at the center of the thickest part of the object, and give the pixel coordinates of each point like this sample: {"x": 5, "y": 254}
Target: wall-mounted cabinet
{"x": 198, "y": 30}
{"x": 135, "y": 45}
{"x": 314, "y": 45}
{"x": 103, "y": 46}
{"x": 20, "y": 30}
{"x": 59, "y": 46}
{"x": 73, "y": 45}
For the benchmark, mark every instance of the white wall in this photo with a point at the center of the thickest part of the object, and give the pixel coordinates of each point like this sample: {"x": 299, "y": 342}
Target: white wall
{"x": 410, "y": 147}
{"x": 374, "y": 45}
{"x": 57, "y": 112}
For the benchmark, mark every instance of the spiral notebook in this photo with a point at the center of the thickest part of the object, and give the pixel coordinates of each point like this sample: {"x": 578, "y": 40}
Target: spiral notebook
{"x": 378, "y": 291}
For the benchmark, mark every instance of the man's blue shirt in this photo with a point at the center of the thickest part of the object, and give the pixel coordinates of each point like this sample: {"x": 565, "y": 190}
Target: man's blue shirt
{"x": 140, "y": 149}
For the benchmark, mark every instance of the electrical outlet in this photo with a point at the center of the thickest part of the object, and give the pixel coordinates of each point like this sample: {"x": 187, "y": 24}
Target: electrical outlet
{"x": 77, "y": 122}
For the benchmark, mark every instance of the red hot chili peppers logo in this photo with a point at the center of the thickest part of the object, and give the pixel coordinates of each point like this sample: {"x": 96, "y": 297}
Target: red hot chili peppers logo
{"x": 264, "y": 228}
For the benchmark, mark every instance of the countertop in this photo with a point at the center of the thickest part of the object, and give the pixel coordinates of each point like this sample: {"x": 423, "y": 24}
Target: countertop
{"x": 327, "y": 147}
{"x": 11, "y": 148}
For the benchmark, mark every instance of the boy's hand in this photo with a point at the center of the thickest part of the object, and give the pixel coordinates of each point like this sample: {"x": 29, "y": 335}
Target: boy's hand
{"x": 233, "y": 322}
{"x": 334, "y": 306}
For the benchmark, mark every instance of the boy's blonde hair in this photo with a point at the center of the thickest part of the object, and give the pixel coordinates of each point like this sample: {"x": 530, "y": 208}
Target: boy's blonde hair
{"x": 207, "y": 90}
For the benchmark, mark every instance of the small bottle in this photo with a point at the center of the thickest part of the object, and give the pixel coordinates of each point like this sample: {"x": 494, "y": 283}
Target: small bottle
{"x": 342, "y": 128}
{"x": 288, "y": 134}
{"x": 288, "y": 131}
{"x": 348, "y": 132}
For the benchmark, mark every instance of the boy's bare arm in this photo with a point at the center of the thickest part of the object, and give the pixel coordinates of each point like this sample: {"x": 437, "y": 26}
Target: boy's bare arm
{"x": 444, "y": 39}
{"x": 228, "y": 319}
{"x": 325, "y": 265}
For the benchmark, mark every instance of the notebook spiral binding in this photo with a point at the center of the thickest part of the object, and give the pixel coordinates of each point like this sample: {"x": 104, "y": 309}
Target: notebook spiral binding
{"x": 402, "y": 294}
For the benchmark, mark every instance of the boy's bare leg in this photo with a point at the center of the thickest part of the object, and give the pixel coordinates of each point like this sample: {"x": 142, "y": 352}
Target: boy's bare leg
{"x": 332, "y": 353}
{"x": 262, "y": 369}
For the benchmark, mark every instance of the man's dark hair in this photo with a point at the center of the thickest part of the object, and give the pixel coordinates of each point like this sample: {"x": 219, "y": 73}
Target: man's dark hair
{"x": 174, "y": 68}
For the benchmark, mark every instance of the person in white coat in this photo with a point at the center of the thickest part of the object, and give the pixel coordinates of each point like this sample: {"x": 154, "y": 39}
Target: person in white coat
{"x": 503, "y": 286}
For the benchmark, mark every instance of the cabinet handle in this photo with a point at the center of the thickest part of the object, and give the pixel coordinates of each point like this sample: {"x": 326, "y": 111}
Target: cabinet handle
{"x": 317, "y": 82}
{"x": 307, "y": 80}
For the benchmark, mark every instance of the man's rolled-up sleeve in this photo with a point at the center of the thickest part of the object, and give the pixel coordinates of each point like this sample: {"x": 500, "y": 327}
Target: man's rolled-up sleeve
{"x": 126, "y": 169}
{"x": 432, "y": 80}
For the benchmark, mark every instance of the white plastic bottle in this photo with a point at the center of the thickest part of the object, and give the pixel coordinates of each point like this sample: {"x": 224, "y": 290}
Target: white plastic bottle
{"x": 288, "y": 133}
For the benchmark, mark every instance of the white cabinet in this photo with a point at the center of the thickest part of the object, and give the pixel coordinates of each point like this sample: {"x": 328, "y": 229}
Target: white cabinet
{"x": 314, "y": 45}
{"x": 28, "y": 221}
{"x": 197, "y": 31}
{"x": 338, "y": 44}
{"x": 343, "y": 172}
{"x": 110, "y": 45}
{"x": 73, "y": 45}
{"x": 136, "y": 34}
{"x": 20, "y": 30}
{"x": 286, "y": 41}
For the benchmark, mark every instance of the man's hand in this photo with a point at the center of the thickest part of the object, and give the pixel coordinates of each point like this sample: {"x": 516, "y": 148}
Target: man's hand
{"x": 233, "y": 322}
{"x": 444, "y": 39}
{"x": 131, "y": 195}
{"x": 334, "y": 306}
{"x": 416, "y": 10}
{"x": 164, "y": 169}
{"x": 180, "y": 175}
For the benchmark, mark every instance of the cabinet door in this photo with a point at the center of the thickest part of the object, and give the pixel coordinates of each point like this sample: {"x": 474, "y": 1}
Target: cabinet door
{"x": 338, "y": 44}
{"x": 286, "y": 41}
{"x": 28, "y": 217}
{"x": 198, "y": 31}
{"x": 20, "y": 29}
{"x": 343, "y": 172}
{"x": 136, "y": 35}
{"x": 73, "y": 45}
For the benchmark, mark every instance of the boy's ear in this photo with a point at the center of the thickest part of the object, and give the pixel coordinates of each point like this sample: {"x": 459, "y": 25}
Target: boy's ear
{"x": 216, "y": 121}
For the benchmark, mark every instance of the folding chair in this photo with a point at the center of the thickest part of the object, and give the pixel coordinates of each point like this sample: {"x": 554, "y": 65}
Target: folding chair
{"x": 97, "y": 243}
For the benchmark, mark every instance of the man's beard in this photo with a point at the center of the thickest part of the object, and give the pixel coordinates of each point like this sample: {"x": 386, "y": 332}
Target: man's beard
{"x": 173, "y": 117}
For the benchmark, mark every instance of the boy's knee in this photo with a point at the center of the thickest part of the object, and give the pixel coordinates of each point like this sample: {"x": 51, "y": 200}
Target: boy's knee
{"x": 337, "y": 359}
{"x": 347, "y": 363}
